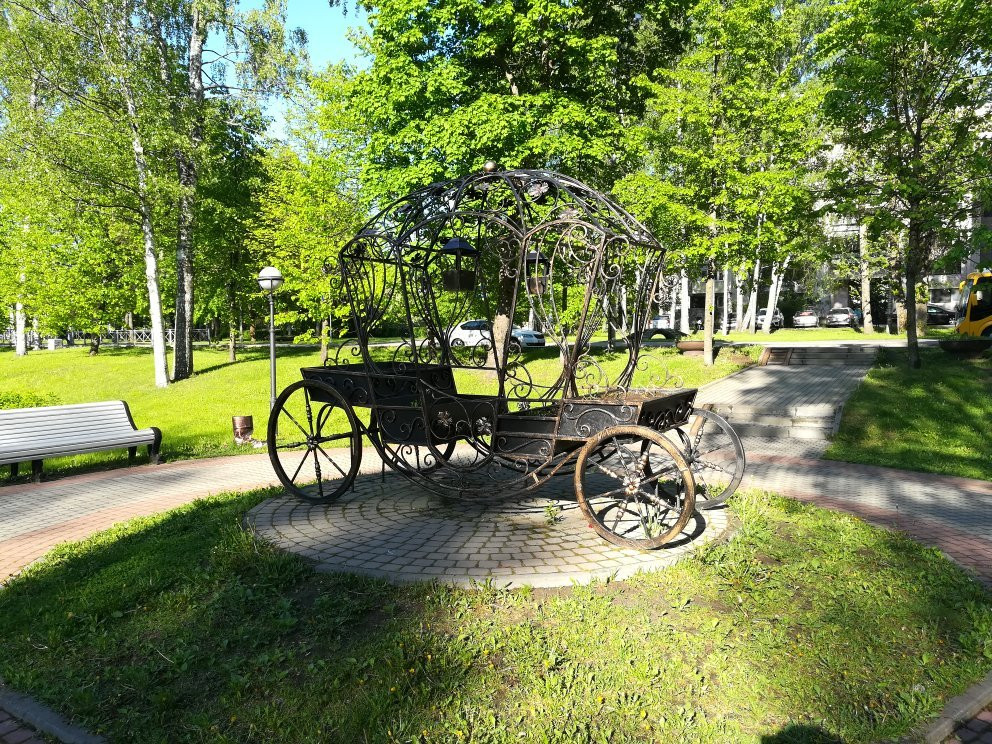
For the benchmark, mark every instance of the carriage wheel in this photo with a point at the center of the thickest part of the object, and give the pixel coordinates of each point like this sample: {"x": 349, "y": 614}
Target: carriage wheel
{"x": 634, "y": 486}
{"x": 715, "y": 456}
{"x": 315, "y": 441}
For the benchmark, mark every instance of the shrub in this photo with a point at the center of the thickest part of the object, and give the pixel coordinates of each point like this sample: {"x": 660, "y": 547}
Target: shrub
{"x": 27, "y": 400}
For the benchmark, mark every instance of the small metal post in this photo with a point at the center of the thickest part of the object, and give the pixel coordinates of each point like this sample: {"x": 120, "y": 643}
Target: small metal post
{"x": 272, "y": 351}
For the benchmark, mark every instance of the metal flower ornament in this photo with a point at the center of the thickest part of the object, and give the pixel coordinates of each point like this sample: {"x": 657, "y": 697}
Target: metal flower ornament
{"x": 497, "y": 283}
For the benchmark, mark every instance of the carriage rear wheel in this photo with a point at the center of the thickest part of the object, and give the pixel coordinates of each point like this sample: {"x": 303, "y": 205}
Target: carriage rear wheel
{"x": 715, "y": 456}
{"x": 635, "y": 487}
{"x": 315, "y": 441}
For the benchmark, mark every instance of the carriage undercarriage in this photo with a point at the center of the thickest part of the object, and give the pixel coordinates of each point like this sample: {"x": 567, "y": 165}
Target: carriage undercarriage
{"x": 631, "y": 454}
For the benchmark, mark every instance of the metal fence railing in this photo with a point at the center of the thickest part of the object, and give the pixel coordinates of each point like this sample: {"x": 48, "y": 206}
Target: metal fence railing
{"x": 123, "y": 337}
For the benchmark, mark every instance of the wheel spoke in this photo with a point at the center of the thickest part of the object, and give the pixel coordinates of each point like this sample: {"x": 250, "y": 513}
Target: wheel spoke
{"x": 623, "y": 462}
{"x": 707, "y": 465}
{"x": 291, "y": 445}
{"x": 608, "y": 494}
{"x": 303, "y": 431}
{"x": 300, "y": 466}
{"x": 306, "y": 400}
{"x": 320, "y": 476}
{"x": 333, "y": 438}
{"x": 321, "y": 450}
{"x": 620, "y": 512}
{"x": 599, "y": 466}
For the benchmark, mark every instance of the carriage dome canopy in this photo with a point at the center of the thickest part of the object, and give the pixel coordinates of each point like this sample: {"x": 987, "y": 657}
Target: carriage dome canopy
{"x": 508, "y": 249}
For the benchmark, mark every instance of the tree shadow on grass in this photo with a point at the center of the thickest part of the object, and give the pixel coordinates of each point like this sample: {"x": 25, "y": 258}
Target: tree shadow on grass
{"x": 183, "y": 627}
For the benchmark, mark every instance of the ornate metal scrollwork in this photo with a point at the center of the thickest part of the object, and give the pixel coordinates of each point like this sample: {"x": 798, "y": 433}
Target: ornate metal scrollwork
{"x": 452, "y": 269}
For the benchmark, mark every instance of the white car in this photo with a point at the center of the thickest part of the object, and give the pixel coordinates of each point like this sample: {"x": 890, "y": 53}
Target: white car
{"x": 659, "y": 324}
{"x": 479, "y": 332}
{"x": 806, "y": 319}
{"x": 777, "y": 318}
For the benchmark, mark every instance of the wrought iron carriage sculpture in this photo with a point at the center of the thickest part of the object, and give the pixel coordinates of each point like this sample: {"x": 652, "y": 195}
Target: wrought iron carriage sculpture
{"x": 477, "y": 415}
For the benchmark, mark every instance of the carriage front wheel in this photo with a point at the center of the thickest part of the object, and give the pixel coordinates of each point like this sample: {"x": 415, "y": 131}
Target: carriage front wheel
{"x": 635, "y": 487}
{"x": 315, "y": 441}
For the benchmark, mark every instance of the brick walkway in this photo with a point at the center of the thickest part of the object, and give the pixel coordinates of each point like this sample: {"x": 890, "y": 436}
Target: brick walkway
{"x": 976, "y": 731}
{"x": 13, "y": 731}
{"x": 388, "y": 528}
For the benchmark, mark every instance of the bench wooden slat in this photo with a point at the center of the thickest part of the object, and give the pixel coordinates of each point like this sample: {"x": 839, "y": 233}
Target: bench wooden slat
{"x": 62, "y": 432}
{"x": 141, "y": 436}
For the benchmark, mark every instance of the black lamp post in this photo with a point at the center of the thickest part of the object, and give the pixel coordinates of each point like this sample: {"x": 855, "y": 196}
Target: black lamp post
{"x": 269, "y": 279}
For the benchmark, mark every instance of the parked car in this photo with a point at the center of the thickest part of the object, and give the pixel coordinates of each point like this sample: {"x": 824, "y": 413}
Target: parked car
{"x": 473, "y": 332}
{"x": 658, "y": 325}
{"x": 777, "y": 318}
{"x": 806, "y": 319}
{"x": 936, "y": 315}
{"x": 840, "y": 317}
{"x": 527, "y": 339}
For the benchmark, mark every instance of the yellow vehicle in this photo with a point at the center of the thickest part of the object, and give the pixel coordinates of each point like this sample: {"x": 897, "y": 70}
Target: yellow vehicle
{"x": 975, "y": 310}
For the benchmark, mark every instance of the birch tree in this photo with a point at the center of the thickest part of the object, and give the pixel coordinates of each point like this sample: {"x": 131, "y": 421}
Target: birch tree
{"x": 95, "y": 117}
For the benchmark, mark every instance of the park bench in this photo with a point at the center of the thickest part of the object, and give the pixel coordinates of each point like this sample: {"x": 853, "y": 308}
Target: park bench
{"x": 36, "y": 434}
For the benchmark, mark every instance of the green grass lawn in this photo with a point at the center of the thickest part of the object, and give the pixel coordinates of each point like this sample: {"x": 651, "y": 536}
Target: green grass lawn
{"x": 935, "y": 419}
{"x": 807, "y": 627}
{"x": 195, "y": 415}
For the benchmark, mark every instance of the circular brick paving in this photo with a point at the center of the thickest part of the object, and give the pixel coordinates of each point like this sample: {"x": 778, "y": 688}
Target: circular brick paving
{"x": 390, "y": 528}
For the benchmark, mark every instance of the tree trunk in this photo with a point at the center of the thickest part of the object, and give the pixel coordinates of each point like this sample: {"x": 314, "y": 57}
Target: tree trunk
{"x": 673, "y": 311}
{"x": 780, "y": 279}
{"x": 684, "y": 303}
{"x": 323, "y": 342}
{"x": 868, "y": 325}
{"x": 185, "y": 234}
{"x": 20, "y": 331}
{"x": 502, "y": 323}
{"x": 751, "y": 316}
{"x": 726, "y": 301}
{"x": 232, "y": 321}
{"x": 161, "y": 365}
{"x": 708, "y": 317}
{"x": 739, "y": 302}
{"x": 913, "y": 250}
{"x": 773, "y": 287}
{"x": 232, "y": 344}
{"x": 95, "y": 345}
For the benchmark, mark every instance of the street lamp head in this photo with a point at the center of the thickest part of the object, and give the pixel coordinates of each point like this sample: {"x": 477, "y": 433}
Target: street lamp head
{"x": 269, "y": 279}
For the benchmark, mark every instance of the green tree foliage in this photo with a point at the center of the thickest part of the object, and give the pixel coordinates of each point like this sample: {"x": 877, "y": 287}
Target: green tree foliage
{"x": 120, "y": 99}
{"x": 910, "y": 99}
{"x": 729, "y": 139}
{"x": 310, "y": 207}
{"x": 527, "y": 83}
